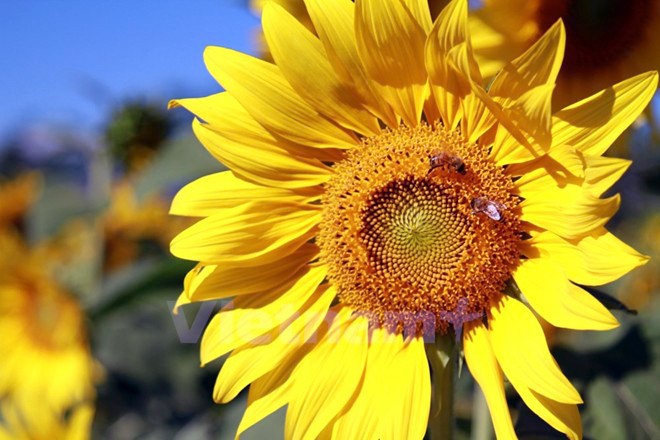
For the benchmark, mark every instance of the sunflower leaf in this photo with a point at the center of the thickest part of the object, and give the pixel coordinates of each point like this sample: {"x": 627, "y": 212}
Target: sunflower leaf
{"x": 139, "y": 281}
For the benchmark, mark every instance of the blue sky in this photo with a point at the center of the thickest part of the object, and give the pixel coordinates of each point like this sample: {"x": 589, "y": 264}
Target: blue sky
{"x": 66, "y": 61}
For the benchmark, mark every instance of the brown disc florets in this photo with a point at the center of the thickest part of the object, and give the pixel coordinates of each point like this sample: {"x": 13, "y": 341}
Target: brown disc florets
{"x": 419, "y": 224}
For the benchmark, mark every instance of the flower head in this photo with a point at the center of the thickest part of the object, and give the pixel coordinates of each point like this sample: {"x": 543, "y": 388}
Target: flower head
{"x": 379, "y": 198}
{"x": 132, "y": 221}
{"x": 47, "y": 368}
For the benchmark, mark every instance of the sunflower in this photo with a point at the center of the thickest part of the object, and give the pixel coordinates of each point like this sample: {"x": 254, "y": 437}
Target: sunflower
{"x": 380, "y": 204}
{"x": 47, "y": 367}
{"x": 606, "y": 41}
{"x": 130, "y": 223}
{"x": 641, "y": 288}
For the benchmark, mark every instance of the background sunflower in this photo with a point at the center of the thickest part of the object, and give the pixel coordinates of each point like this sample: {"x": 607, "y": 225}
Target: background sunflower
{"x": 606, "y": 41}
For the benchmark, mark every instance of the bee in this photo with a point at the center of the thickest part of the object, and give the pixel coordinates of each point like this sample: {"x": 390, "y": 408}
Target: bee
{"x": 491, "y": 208}
{"x": 440, "y": 158}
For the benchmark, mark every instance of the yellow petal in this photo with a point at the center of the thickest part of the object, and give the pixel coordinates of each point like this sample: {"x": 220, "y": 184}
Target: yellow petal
{"x": 524, "y": 86}
{"x": 182, "y": 300}
{"x": 509, "y": 148}
{"x": 269, "y": 98}
{"x": 409, "y": 407}
{"x": 204, "y": 196}
{"x": 564, "y": 165}
{"x": 209, "y": 282}
{"x": 367, "y": 415}
{"x": 268, "y": 165}
{"x": 421, "y": 12}
{"x": 607, "y": 257}
{"x": 532, "y": 112}
{"x": 448, "y": 85}
{"x": 476, "y": 115}
{"x": 570, "y": 211}
{"x": 521, "y": 96}
{"x": 251, "y": 361}
{"x": 333, "y": 22}
{"x": 477, "y": 119}
{"x": 271, "y": 391}
{"x": 546, "y": 244}
{"x": 321, "y": 393}
{"x": 253, "y": 233}
{"x": 564, "y": 417}
{"x": 594, "y": 260}
{"x": 391, "y": 46}
{"x": 602, "y": 172}
{"x": 538, "y": 66}
{"x": 513, "y": 142}
{"x": 302, "y": 60}
{"x": 514, "y": 134}
{"x": 522, "y": 352}
{"x": 225, "y": 115}
{"x": 593, "y": 124}
{"x": 252, "y": 316}
{"x": 486, "y": 371}
{"x": 399, "y": 410}
{"x": 274, "y": 389}
{"x": 557, "y": 300}
{"x": 526, "y": 121}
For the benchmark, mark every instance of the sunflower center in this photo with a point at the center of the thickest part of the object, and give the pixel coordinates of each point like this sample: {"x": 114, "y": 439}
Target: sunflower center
{"x": 598, "y": 32}
{"x": 419, "y": 229}
{"x": 411, "y": 227}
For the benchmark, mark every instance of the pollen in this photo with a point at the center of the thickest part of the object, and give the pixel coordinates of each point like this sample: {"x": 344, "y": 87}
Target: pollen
{"x": 400, "y": 234}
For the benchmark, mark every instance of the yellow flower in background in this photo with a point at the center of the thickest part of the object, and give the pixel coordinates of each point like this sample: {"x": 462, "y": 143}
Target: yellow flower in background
{"x": 16, "y": 197}
{"x": 379, "y": 199}
{"x": 46, "y": 366}
{"x": 76, "y": 426}
{"x": 606, "y": 41}
{"x": 639, "y": 289}
{"x": 130, "y": 221}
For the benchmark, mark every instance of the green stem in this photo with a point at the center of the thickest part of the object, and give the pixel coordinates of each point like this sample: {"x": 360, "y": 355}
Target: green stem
{"x": 443, "y": 357}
